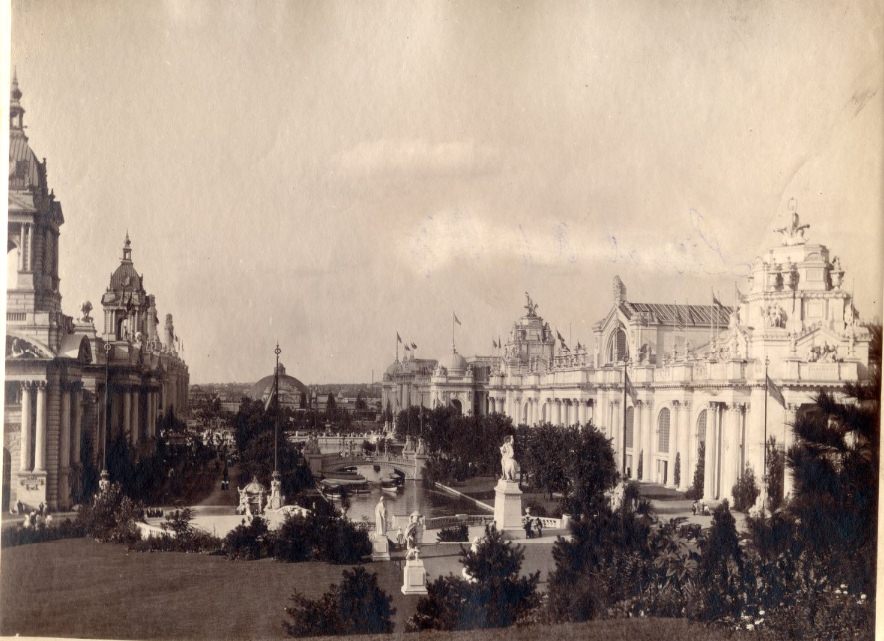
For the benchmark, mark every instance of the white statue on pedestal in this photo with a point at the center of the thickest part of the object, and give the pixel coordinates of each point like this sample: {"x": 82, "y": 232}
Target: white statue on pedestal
{"x": 412, "y": 533}
{"x": 380, "y": 518}
{"x": 507, "y": 460}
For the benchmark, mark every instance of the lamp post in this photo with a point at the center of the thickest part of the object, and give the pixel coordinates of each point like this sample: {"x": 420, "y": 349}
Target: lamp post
{"x": 104, "y": 482}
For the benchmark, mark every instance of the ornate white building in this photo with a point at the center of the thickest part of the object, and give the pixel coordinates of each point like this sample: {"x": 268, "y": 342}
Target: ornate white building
{"x": 696, "y": 372}
{"x": 56, "y": 366}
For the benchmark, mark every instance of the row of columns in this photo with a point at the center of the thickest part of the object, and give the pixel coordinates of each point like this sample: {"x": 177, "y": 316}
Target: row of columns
{"x": 131, "y": 414}
{"x": 71, "y": 415}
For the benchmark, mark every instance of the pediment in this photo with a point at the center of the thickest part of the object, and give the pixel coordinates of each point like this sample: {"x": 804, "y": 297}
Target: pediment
{"x": 19, "y": 347}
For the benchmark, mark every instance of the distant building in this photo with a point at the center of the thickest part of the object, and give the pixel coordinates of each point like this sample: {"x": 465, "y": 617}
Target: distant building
{"x": 696, "y": 372}
{"x": 56, "y": 366}
{"x": 292, "y": 392}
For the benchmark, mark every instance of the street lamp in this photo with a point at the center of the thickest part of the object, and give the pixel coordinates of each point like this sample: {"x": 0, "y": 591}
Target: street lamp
{"x": 104, "y": 482}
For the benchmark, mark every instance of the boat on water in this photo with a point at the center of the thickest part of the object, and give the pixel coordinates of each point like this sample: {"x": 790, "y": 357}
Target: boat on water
{"x": 392, "y": 484}
{"x": 337, "y": 488}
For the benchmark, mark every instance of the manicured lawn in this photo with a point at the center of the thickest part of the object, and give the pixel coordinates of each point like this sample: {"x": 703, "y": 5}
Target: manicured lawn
{"x": 81, "y": 588}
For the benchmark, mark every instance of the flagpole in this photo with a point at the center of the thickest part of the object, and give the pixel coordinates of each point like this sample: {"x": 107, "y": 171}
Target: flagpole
{"x": 277, "y": 351}
{"x": 764, "y": 474}
{"x": 623, "y": 444}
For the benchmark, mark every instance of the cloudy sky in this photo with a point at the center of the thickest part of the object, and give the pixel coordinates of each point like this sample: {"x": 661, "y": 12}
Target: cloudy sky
{"x": 328, "y": 173}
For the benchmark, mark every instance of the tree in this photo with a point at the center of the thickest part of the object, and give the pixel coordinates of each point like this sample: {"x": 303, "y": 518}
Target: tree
{"x": 356, "y": 606}
{"x": 776, "y": 469}
{"x": 542, "y": 461}
{"x": 330, "y": 406}
{"x": 258, "y": 458}
{"x": 591, "y": 471}
{"x": 606, "y": 560}
{"x": 745, "y": 491}
{"x": 496, "y": 598}
{"x": 696, "y": 490}
{"x": 720, "y": 572}
{"x": 676, "y": 471}
{"x": 360, "y": 402}
{"x": 835, "y": 468}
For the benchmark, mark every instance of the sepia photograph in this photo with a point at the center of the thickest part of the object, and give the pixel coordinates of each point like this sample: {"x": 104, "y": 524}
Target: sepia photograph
{"x": 444, "y": 319}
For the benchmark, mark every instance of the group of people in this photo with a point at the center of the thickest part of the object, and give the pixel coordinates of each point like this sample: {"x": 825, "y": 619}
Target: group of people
{"x": 36, "y": 518}
{"x": 533, "y": 526}
{"x": 700, "y": 508}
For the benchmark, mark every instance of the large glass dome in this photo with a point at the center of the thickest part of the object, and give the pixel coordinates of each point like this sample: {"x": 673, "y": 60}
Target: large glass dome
{"x": 292, "y": 392}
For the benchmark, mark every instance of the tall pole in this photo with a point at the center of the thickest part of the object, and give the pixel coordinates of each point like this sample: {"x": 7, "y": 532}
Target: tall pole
{"x": 104, "y": 483}
{"x": 277, "y": 351}
{"x": 764, "y": 475}
{"x": 623, "y": 442}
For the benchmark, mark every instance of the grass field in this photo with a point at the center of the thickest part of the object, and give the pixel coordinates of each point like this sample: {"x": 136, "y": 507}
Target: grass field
{"x": 81, "y": 588}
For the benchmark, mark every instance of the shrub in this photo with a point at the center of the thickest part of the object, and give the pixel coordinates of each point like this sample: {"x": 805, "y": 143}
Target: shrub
{"x": 453, "y": 533}
{"x": 19, "y": 535}
{"x": 248, "y": 541}
{"x": 640, "y": 470}
{"x": 295, "y": 540}
{"x": 321, "y": 536}
{"x": 745, "y": 491}
{"x": 180, "y": 536}
{"x": 356, "y": 606}
{"x": 676, "y": 471}
{"x": 496, "y": 598}
{"x": 111, "y": 516}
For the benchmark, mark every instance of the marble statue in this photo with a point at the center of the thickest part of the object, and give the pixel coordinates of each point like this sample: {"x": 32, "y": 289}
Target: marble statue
{"x": 412, "y": 532}
{"x": 380, "y": 517}
{"x": 507, "y": 460}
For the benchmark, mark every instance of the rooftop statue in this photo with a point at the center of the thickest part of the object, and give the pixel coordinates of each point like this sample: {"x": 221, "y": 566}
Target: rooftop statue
{"x": 794, "y": 233}
{"x": 531, "y": 306}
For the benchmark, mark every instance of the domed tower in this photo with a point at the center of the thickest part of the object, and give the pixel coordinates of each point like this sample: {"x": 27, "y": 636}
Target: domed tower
{"x": 125, "y": 302}
{"x": 33, "y": 224}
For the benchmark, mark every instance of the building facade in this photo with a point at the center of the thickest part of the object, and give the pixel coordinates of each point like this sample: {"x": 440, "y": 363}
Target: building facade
{"x": 670, "y": 383}
{"x": 64, "y": 382}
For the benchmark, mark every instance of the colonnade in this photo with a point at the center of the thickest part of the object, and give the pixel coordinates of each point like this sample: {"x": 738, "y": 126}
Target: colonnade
{"x": 135, "y": 423}
{"x": 535, "y": 410}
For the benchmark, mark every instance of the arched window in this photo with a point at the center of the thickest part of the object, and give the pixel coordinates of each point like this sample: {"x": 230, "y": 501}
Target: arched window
{"x": 618, "y": 348}
{"x": 630, "y": 412}
{"x": 663, "y": 431}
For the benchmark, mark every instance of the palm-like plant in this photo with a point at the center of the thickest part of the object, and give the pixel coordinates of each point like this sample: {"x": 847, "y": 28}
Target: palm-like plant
{"x": 835, "y": 467}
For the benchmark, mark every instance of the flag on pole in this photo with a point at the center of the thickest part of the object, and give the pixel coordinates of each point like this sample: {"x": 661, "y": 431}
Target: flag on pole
{"x": 494, "y": 342}
{"x": 560, "y": 337}
{"x": 407, "y": 348}
{"x": 270, "y": 399}
{"x": 776, "y": 392}
{"x": 629, "y": 388}
{"x": 413, "y": 346}
{"x": 715, "y": 300}
{"x": 398, "y": 337}
{"x": 456, "y": 319}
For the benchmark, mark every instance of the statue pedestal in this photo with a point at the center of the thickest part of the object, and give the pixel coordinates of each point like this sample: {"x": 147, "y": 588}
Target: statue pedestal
{"x": 508, "y": 509}
{"x": 380, "y": 547}
{"x": 414, "y": 577}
